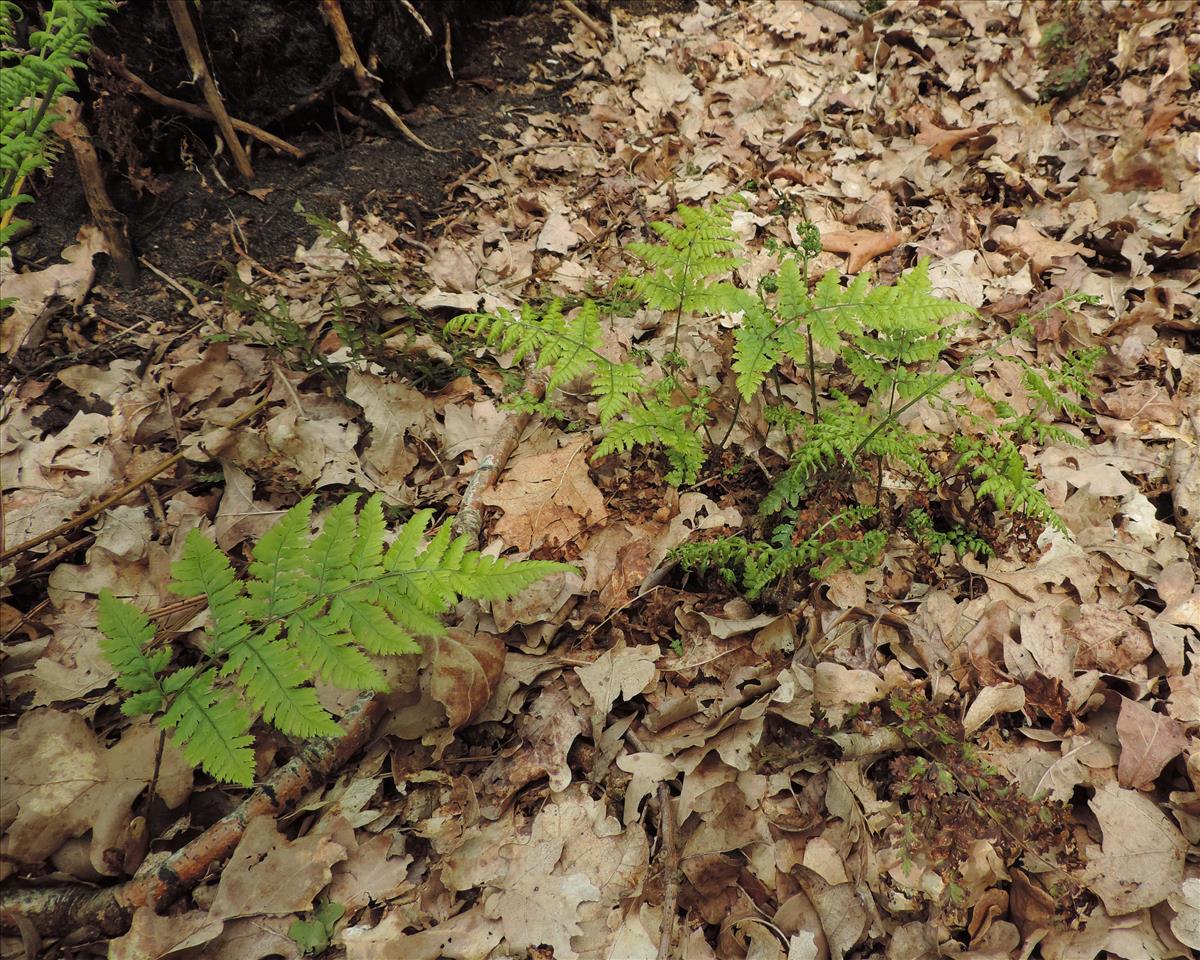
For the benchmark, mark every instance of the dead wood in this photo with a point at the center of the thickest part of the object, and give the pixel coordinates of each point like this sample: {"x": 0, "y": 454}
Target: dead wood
{"x": 193, "y": 109}
{"x": 79, "y": 910}
{"x": 367, "y": 83}
{"x": 112, "y": 223}
{"x": 202, "y": 76}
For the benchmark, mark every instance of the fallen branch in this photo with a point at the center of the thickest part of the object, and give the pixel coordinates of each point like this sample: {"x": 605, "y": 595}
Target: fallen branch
{"x": 111, "y": 222}
{"x": 202, "y": 76}
{"x": 194, "y": 109}
{"x": 80, "y": 910}
{"x": 367, "y": 83}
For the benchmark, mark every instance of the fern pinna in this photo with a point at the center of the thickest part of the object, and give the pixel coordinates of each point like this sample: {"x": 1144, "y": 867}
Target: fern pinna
{"x": 310, "y": 607}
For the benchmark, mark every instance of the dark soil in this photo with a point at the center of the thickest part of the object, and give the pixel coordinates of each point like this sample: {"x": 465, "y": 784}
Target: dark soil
{"x": 202, "y": 214}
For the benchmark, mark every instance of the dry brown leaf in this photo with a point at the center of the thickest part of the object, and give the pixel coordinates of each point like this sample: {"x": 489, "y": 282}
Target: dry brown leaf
{"x": 1141, "y": 861}
{"x": 59, "y": 781}
{"x": 152, "y": 936}
{"x": 464, "y": 668}
{"x": 269, "y": 874}
{"x": 557, "y": 234}
{"x": 942, "y": 142}
{"x": 466, "y": 936}
{"x": 533, "y": 907}
{"x": 1149, "y": 741}
{"x": 1028, "y": 241}
{"x": 863, "y": 246}
{"x": 619, "y": 673}
{"x": 547, "y": 499}
{"x": 36, "y": 293}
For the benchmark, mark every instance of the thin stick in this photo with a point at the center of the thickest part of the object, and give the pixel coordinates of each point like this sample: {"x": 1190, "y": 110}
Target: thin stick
{"x": 169, "y": 280}
{"x": 117, "y": 497}
{"x": 194, "y": 109}
{"x": 470, "y": 516}
{"x": 584, "y": 19}
{"x": 421, "y": 20}
{"x": 668, "y": 850}
{"x": 202, "y": 76}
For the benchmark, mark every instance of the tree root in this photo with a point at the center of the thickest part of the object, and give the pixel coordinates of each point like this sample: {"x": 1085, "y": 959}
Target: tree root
{"x": 192, "y": 109}
{"x": 203, "y": 76}
{"x": 367, "y": 83}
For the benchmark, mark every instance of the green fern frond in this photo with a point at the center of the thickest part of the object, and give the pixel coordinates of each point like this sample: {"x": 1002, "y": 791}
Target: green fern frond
{"x": 211, "y": 728}
{"x": 127, "y": 633}
{"x": 658, "y": 423}
{"x": 310, "y": 606}
{"x": 756, "y": 350}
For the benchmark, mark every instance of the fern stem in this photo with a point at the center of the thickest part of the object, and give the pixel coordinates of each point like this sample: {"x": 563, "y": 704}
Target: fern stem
{"x": 737, "y": 406}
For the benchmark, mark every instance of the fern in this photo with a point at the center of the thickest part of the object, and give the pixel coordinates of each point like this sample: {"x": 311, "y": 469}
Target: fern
{"x": 754, "y": 565}
{"x": 30, "y": 83}
{"x": 310, "y": 607}
{"x": 889, "y": 343}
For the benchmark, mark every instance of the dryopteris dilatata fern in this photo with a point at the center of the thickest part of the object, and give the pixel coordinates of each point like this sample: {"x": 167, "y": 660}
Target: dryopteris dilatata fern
{"x": 30, "y": 83}
{"x": 310, "y": 607}
{"x": 888, "y": 343}
{"x": 636, "y": 409}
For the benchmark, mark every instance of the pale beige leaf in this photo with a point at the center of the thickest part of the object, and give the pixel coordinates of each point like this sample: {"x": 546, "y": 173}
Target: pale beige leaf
{"x": 1149, "y": 741}
{"x": 1141, "y": 861}
{"x": 269, "y": 874}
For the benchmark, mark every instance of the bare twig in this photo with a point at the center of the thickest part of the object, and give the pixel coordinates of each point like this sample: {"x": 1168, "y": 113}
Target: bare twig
{"x": 116, "y": 497}
{"x": 202, "y": 76}
{"x": 583, "y": 18}
{"x": 407, "y": 5}
{"x": 194, "y": 109}
{"x": 668, "y": 850}
{"x": 170, "y": 281}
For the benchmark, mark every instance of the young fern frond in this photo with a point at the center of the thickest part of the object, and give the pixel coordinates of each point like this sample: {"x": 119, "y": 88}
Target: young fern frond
{"x": 658, "y": 423}
{"x": 309, "y": 607}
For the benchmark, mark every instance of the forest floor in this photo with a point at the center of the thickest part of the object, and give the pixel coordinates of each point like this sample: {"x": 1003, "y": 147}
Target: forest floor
{"x": 939, "y": 756}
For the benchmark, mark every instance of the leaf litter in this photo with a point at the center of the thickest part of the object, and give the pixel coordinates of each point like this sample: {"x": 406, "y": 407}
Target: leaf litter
{"x": 850, "y": 774}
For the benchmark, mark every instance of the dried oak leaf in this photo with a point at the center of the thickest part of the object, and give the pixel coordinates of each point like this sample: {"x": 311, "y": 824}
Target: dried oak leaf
{"x": 547, "y": 498}
{"x": 269, "y": 874}
{"x": 58, "y": 781}
{"x": 942, "y": 142}
{"x": 1141, "y": 861}
{"x": 1149, "y": 741}
{"x": 863, "y": 246}
{"x": 464, "y": 668}
{"x": 1041, "y": 251}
